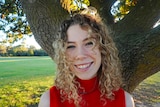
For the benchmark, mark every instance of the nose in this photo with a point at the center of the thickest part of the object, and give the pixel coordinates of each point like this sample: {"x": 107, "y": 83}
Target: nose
{"x": 80, "y": 53}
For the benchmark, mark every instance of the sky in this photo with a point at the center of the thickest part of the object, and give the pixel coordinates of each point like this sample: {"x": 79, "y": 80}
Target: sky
{"x": 31, "y": 41}
{"x": 28, "y": 41}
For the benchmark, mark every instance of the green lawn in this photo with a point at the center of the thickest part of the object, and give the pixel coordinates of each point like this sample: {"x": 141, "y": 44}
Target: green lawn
{"x": 23, "y": 68}
{"x": 24, "y": 79}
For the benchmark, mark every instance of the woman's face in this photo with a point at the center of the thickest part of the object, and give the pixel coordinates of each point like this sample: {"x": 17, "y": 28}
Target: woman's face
{"x": 83, "y": 53}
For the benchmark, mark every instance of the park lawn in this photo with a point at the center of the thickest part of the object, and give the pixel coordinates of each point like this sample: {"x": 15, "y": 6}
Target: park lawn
{"x": 24, "y": 79}
{"x": 24, "y": 68}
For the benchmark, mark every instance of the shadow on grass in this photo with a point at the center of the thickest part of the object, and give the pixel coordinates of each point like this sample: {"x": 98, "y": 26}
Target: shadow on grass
{"x": 33, "y": 105}
{"x": 147, "y": 93}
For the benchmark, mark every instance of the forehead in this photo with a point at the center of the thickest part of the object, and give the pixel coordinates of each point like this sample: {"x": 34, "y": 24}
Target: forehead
{"x": 75, "y": 32}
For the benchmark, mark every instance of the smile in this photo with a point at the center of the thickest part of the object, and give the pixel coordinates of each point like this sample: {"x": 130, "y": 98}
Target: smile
{"x": 83, "y": 66}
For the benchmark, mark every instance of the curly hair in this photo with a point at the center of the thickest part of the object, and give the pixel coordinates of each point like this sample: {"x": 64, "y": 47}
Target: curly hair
{"x": 109, "y": 74}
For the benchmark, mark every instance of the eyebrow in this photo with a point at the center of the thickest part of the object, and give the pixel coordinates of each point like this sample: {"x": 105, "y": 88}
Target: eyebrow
{"x": 83, "y": 40}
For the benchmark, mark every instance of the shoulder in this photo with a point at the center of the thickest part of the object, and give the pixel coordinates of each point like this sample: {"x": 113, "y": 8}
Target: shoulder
{"x": 129, "y": 100}
{"x": 45, "y": 99}
{"x": 52, "y": 94}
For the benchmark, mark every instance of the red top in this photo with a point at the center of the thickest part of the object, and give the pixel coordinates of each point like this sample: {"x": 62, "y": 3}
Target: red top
{"x": 89, "y": 99}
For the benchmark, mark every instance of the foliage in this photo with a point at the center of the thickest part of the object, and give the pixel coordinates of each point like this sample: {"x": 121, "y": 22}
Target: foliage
{"x": 74, "y": 5}
{"x": 3, "y": 49}
{"x": 14, "y": 24}
{"x": 13, "y": 21}
{"x": 40, "y": 52}
{"x": 122, "y": 7}
{"x": 23, "y": 93}
{"x": 21, "y": 50}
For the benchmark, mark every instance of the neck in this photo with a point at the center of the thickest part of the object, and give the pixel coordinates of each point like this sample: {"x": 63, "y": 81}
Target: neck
{"x": 87, "y": 86}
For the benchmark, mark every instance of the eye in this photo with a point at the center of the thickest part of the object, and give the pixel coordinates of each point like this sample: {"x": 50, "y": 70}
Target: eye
{"x": 70, "y": 47}
{"x": 90, "y": 44}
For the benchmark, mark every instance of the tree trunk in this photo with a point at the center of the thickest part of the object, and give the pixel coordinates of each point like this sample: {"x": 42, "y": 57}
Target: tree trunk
{"x": 137, "y": 41}
{"x": 44, "y": 17}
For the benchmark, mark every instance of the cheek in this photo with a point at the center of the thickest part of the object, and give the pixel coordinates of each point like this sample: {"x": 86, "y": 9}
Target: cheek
{"x": 97, "y": 55}
{"x": 69, "y": 57}
{"x": 70, "y": 53}
{"x": 96, "y": 52}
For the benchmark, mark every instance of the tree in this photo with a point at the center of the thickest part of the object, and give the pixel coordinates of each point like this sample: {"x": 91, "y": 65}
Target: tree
{"x": 12, "y": 20}
{"x": 19, "y": 50}
{"x": 40, "y": 52}
{"x": 3, "y": 50}
{"x": 30, "y": 52}
{"x": 135, "y": 36}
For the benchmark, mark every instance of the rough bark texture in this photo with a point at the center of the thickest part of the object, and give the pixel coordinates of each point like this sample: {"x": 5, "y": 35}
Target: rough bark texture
{"x": 44, "y": 17}
{"x": 135, "y": 38}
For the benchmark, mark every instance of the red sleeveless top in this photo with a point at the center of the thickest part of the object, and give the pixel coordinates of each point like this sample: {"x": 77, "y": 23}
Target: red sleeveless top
{"x": 89, "y": 99}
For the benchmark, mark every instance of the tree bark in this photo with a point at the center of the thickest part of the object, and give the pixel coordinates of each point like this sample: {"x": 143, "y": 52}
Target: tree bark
{"x": 137, "y": 41}
{"x": 44, "y": 17}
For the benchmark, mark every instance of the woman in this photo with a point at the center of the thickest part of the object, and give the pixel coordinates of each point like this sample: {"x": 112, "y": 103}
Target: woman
{"x": 88, "y": 66}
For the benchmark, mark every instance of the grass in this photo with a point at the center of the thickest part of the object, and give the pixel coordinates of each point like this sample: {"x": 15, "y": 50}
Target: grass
{"x": 24, "y": 79}
{"x": 24, "y": 68}
{"x": 148, "y": 92}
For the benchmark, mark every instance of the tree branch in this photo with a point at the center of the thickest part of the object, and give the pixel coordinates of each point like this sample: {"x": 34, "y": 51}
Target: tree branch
{"x": 141, "y": 18}
{"x": 140, "y": 55}
{"x": 149, "y": 59}
{"x": 104, "y": 8}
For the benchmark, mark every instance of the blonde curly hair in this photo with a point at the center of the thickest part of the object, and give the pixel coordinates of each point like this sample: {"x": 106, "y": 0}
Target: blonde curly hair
{"x": 109, "y": 74}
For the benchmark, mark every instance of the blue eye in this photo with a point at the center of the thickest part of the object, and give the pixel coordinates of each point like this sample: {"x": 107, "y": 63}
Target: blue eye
{"x": 89, "y": 44}
{"x": 70, "y": 47}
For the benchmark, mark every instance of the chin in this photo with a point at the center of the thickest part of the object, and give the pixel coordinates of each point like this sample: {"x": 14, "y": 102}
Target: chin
{"x": 86, "y": 78}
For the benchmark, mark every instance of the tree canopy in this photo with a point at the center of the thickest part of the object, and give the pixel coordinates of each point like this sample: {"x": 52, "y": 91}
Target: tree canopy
{"x": 14, "y": 24}
{"x": 13, "y": 21}
{"x": 132, "y": 22}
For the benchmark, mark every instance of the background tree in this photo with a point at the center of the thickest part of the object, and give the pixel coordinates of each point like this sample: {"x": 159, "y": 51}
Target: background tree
{"x": 135, "y": 36}
{"x": 13, "y": 21}
{"x": 3, "y": 50}
{"x": 20, "y": 50}
{"x": 31, "y": 50}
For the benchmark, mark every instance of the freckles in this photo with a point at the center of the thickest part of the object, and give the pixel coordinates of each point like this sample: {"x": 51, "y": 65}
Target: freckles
{"x": 70, "y": 57}
{"x": 70, "y": 54}
{"x": 94, "y": 51}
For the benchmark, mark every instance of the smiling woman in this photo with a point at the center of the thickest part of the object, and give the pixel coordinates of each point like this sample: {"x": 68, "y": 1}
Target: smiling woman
{"x": 88, "y": 67}
{"x": 83, "y": 53}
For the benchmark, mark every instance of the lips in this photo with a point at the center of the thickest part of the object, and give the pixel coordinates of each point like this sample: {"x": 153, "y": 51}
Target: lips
{"x": 83, "y": 66}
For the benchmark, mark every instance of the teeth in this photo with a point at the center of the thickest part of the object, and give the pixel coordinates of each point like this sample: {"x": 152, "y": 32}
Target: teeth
{"x": 83, "y": 66}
